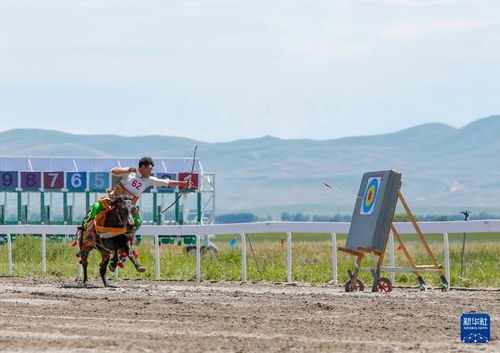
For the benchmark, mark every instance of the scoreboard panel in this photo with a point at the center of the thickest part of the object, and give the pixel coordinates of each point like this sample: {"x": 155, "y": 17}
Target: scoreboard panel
{"x": 76, "y": 181}
{"x": 31, "y": 180}
{"x": 189, "y": 177}
{"x": 9, "y": 180}
{"x": 53, "y": 180}
{"x": 98, "y": 181}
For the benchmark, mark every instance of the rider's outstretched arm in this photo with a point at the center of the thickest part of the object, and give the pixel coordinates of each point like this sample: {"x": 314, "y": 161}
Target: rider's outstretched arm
{"x": 122, "y": 171}
{"x": 168, "y": 182}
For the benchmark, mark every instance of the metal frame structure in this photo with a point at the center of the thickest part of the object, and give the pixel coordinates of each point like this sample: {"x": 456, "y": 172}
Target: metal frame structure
{"x": 200, "y": 210}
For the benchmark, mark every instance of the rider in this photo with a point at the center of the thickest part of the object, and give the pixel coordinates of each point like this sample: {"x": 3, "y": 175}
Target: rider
{"x": 133, "y": 183}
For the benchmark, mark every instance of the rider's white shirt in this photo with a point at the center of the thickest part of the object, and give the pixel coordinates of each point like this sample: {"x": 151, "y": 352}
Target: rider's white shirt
{"x": 136, "y": 184}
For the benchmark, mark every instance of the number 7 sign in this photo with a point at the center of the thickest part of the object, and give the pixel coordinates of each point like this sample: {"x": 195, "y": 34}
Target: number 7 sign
{"x": 53, "y": 180}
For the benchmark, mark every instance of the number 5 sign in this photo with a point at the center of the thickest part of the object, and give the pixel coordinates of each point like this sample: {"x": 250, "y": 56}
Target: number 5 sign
{"x": 76, "y": 181}
{"x": 98, "y": 181}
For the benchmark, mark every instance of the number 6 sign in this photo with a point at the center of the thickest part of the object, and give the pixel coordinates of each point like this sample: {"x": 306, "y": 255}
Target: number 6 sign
{"x": 76, "y": 181}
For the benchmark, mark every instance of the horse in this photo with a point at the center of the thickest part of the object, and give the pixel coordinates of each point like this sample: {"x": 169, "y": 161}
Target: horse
{"x": 111, "y": 237}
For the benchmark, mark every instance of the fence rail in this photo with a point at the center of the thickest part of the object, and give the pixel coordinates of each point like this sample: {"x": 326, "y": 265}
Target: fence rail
{"x": 243, "y": 229}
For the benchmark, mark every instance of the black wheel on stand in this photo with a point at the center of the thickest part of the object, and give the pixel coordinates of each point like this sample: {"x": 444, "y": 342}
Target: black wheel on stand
{"x": 358, "y": 287}
{"x": 383, "y": 285}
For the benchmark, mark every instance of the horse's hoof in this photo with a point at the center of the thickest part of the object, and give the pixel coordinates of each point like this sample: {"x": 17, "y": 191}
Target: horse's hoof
{"x": 140, "y": 268}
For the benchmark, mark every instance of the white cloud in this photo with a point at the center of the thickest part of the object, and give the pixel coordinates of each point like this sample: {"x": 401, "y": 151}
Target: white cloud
{"x": 418, "y": 2}
{"x": 456, "y": 186}
{"x": 413, "y": 31}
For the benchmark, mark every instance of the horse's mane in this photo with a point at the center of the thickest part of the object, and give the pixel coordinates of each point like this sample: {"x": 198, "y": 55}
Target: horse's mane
{"x": 115, "y": 214}
{"x": 118, "y": 200}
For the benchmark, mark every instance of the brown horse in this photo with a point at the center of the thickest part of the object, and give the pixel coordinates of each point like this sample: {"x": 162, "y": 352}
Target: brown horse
{"x": 119, "y": 218}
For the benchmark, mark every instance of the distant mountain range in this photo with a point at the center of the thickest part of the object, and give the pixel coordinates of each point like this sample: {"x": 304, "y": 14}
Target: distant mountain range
{"x": 444, "y": 169}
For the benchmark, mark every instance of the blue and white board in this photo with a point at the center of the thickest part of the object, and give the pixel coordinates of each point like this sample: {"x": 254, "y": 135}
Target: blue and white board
{"x": 171, "y": 176}
{"x": 76, "y": 181}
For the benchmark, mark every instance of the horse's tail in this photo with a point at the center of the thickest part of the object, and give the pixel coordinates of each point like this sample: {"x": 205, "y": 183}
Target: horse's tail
{"x": 85, "y": 238}
{"x": 78, "y": 237}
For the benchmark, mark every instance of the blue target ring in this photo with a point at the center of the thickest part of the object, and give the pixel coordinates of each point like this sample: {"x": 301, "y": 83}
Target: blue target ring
{"x": 370, "y": 196}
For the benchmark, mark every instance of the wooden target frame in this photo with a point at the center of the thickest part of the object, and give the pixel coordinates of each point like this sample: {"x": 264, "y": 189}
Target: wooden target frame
{"x": 382, "y": 284}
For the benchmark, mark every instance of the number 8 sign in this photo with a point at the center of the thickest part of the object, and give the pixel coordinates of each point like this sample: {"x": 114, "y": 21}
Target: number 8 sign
{"x": 76, "y": 181}
{"x": 31, "y": 180}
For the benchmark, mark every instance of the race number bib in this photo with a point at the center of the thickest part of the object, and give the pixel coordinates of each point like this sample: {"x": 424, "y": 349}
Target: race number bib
{"x": 135, "y": 185}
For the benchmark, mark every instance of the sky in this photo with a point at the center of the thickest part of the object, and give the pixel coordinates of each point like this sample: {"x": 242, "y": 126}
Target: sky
{"x": 222, "y": 70}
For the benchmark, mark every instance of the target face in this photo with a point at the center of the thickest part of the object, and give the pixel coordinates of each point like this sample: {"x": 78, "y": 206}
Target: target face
{"x": 370, "y": 196}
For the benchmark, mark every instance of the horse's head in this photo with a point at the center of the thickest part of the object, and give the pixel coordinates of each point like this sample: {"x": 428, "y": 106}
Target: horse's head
{"x": 125, "y": 210}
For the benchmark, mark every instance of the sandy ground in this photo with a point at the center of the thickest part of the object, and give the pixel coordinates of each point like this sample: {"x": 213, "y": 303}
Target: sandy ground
{"x": 59, "y": 315}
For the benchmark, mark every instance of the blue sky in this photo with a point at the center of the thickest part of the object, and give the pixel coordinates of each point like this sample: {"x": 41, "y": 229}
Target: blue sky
{"x": 222, "y": 70}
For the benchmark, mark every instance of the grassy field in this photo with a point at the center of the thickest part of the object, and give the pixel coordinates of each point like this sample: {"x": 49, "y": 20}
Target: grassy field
{"x": 311, "y": 260}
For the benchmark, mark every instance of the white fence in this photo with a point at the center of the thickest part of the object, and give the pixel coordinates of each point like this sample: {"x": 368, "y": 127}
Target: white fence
{"x": 201, "y": 231}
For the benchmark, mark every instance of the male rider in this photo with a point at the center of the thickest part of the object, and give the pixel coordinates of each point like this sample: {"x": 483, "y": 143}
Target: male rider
{"x": 133, "y": 183}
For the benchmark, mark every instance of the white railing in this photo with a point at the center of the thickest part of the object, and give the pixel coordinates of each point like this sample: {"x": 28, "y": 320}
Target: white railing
{"x": 201, "y": 231}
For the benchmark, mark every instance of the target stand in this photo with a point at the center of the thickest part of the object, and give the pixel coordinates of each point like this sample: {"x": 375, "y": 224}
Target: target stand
{"x": 370, "y": 226}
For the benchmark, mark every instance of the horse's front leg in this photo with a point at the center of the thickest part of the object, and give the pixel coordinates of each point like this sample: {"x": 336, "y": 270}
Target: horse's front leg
{"x": 102, "y": 267}
{"x": 84, "y": 256}
{"x": 84, "y": 262}
{"x": 130, "y": 253}
{"x": 114, "y": 261}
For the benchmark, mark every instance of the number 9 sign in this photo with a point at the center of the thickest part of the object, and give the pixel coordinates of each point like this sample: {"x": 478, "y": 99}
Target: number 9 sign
{"x": 76, "y": 181}
{"x": 8, "y": 180}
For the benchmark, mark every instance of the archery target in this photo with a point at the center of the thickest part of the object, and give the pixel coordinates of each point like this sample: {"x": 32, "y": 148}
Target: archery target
{"x": 370, "y": 195}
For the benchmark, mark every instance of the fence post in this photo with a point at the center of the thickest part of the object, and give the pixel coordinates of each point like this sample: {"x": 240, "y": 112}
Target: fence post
{"x": 289, "y": 257}
{"x": 335, "y": 279}
{"x": 157, "y": 256}
{"x": 243, "y": 257}
{"x": 198, "y": 257}
{"x": 446, "y": 257}
{"x": 9, "y": 254}
{"x": 44, "y": 253}
{"x": 392, "y": 260}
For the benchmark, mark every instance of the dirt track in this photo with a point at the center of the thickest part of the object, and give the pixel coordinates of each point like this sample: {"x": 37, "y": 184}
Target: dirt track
{"x": 38, "y": 314}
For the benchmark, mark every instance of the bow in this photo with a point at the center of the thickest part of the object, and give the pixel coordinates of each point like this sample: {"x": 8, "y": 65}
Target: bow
{"x": 180, "y": 194}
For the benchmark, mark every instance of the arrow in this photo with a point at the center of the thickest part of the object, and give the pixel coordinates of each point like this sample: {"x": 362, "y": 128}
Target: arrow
{"x": 335, "y": 189}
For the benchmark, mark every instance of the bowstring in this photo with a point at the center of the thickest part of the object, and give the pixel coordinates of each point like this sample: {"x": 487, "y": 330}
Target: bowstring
{"x": 191, "y": 174}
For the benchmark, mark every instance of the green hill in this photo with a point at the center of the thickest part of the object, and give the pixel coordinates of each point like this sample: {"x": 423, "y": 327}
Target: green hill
{"x": 444, "y": 169}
